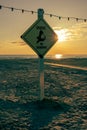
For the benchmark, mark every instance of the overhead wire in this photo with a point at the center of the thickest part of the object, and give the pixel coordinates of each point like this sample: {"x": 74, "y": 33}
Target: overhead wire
{"x": 49, "y": 14}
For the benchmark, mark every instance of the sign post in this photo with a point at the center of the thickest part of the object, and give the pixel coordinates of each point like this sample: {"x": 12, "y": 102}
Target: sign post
{"x": 41, "y": 77}
{"x": 41, "y": 62}
{"x": 40, "y": 37}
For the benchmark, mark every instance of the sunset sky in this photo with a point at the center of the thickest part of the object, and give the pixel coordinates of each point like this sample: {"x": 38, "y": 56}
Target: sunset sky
{"x": 72, "y": 35}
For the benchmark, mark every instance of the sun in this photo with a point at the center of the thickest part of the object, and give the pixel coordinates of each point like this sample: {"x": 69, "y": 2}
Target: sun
{"x": 58, "y": 56}
{"x": 61, "y": 35}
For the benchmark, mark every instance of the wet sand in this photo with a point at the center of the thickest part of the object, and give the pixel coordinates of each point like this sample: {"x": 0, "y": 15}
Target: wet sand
{"x": 65, "y": 103}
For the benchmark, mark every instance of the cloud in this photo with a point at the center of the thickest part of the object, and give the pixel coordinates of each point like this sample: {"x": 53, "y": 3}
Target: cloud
{"x": 78, "y": 31}
{"x": 20, "y": 43}
{"x": 57, "y": 28}
{"x": 75, "y": 32}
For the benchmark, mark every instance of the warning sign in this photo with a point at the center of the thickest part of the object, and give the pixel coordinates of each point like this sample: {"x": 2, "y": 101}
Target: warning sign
{"x": 40, "y": 36}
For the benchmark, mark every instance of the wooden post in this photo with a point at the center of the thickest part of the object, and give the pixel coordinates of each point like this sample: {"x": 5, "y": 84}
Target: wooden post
{"x": 41, "y": 77}
{"x": 41, "y": 63}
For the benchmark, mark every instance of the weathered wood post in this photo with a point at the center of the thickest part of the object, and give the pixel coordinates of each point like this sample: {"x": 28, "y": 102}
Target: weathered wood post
{"x": 41, "y": 63}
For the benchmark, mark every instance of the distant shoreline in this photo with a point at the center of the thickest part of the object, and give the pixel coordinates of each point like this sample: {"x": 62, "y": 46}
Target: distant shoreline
{"x": 35, "y": 56}
{"x": 74, "y": 62}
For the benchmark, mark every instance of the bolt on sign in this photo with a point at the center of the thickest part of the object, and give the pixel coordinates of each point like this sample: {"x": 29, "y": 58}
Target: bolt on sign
{"x": 40, "y": 37}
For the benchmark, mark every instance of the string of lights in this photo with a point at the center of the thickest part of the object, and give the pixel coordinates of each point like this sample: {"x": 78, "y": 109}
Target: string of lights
{"x": 51, "y": 15}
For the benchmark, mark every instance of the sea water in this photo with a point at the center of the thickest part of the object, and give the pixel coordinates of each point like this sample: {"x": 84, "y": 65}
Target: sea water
{"x": 35, "y": 56}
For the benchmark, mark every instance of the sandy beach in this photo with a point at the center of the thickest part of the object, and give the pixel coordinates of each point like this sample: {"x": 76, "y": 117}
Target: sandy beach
{"x": 65, "y": 103}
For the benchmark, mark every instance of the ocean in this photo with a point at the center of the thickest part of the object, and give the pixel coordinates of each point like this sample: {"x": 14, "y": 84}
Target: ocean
{"x": 35, "y": 56}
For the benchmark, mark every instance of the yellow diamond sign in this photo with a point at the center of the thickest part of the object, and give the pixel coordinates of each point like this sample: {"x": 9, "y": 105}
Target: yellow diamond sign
{"x": 40, "y": 37}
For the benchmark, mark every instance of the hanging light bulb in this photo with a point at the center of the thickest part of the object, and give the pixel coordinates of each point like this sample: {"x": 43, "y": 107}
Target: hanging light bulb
{"x": 77, "y": 19}
{"x": 0, "y": 7}
{"x": 12, "y": 9}
{"x": 84, "y": 20}
{"x": 22, "y": 10}
{"x": 68, "y": 18}
{"x": 32, "y": 12}
{"x": 59, "y": 18}
{"x": 50, "y": 15}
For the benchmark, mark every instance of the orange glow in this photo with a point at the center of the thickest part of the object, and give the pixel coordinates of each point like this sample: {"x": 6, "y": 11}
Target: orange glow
{"x": 58, "y": 56}
{"x": 61, "y": 35}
